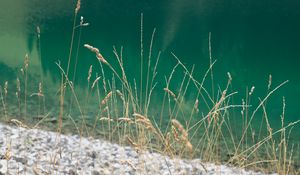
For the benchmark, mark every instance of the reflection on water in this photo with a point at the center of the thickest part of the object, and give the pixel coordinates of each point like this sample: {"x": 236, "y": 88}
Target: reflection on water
{"x": 249, "y": 39}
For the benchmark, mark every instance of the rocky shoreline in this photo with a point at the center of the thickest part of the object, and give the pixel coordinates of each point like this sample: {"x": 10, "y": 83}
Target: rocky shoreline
{"x": 33, "y": 151}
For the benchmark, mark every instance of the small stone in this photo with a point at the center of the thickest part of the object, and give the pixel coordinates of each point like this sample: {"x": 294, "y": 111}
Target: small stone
{"x": 92, "y": 154}
{"x": 72, "y": 172}
{"x": 3, "y": 169}
{"x": 117, "y": 166}
{"x": 21, "y": 160}
{"x": 92, "y": 164}
{"x": 94, "y": 172}
{"x": 106, "y": 164}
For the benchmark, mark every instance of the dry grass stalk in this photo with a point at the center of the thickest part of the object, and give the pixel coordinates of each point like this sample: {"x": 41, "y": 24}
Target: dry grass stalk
{"x": 94, "y": 83}
{"x": 106, "y": 119}
{"x": 7, "y": 154}
{"x": 270, "y": 82}
{"x": 229, "y": 76}
{"x": 132, "y": 143}
{"x": 40, "y": 93}
{"x": 175, "y": 133}
{"x": 38, "y": 31}
{"x": 189, "y": 145}
{"x": 167, "y": 141}
{"x": 5, "y": 88}
{"x": 196, "y": 106}
{"x": 144, "y": 121}
{"x": 252, "y": 90}
{"x": 105, "y": 110}
{"x": 125, "y": 119}
{"x": 26, "y": 61}
{"x": 96, "y": 51}
{"x": 129, "y": 163}
{"x": 41, "y": 88}
{"x": 107, "y": 97}
{"x": 170, "y": 92}
{"x": 140, "y": 117}
{"x": 214, "y": 113}
{"x": 18, "y": 85}
{"x": 120, "y": 95}
{"x": 37, "y": 94}
{"x": 19, "y": 123}
{"x": 177, "y": 127}
{"x": 90, "y": 73}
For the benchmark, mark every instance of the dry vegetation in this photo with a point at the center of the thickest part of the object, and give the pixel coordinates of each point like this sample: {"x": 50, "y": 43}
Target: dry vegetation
{"x": 125, "y": 115}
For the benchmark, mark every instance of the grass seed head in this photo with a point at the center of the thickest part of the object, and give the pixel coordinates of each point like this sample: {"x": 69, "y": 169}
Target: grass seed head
{"x": 106, "y": 119}
{"x": 96, "y": 51}
{"x": 78, "y": 6}
{"x": 125, "y": 119}
{"x": 26, "y": 61}
{"x": 170, "y": 92}
{"x": 107, "y": 97}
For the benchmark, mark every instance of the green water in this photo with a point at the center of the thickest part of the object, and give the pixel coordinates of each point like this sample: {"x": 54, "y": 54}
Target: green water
{"x": 249, "y": 39}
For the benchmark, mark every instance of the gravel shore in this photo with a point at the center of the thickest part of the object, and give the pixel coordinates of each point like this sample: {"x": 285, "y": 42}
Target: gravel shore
{"x": 34, "y": 151}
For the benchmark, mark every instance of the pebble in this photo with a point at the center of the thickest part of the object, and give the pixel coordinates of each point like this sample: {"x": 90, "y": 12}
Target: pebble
{"x": 74, "y": 155}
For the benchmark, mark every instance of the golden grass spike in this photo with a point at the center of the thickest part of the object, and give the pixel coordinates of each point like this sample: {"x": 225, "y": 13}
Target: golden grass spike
{"x": 77, "y": 6}
{"x": 140, "y": 117}
{"x": 189, "y": 146}
{"x": 175, "y": 133}
{"x": 107, "y": 97}
{"x": 180, "y": 128}
{"x": 170, "y": 92}
{"x": 96, "y": 51}
{"x": 177, "y": 125}
{"x": 145, "y": 122}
